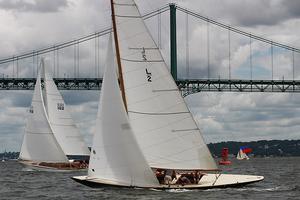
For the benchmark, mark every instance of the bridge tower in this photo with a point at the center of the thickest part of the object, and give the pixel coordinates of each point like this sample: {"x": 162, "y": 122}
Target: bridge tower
{"x": 173, "y": 40}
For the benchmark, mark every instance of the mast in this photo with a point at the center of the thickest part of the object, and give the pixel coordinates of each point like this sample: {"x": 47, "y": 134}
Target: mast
{"x": 121, "y": 80}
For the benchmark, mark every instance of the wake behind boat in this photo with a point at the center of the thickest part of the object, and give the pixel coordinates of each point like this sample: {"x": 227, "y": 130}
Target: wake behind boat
{"x": 51, "y": 140}
{"x": 145, "y": 135}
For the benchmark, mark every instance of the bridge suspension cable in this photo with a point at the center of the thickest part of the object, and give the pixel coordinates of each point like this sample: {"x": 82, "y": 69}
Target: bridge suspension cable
{"x": 187, "y": 48}
{"x": 78, "y": 41}
{"x": 236, "y": 30}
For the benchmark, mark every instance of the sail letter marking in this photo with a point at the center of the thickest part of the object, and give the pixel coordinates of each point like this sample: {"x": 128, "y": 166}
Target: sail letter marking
{"x": 149, "y": 74}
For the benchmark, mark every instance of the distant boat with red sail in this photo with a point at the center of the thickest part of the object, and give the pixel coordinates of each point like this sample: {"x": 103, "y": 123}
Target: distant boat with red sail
{"x": 242, "y": 153}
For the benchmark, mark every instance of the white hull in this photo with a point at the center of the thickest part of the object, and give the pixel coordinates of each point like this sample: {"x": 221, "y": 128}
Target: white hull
{"x": 207, "y": 182}
{"x": 36, "y": 167}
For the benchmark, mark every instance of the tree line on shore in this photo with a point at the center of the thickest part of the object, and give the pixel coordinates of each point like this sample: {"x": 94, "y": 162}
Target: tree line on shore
{"x": 262, "y": 148}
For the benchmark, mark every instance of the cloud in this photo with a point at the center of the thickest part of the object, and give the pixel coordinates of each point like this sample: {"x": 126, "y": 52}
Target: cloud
{"x": 84, "y": 116}
{"x": 247, "y": 13}
{"x": 12, "y": 120}
{"x": 33, "y": 5}
{"x": 292, "y": 7}
{"x": 80, "y": 96}
{"x": 245, "y": 117}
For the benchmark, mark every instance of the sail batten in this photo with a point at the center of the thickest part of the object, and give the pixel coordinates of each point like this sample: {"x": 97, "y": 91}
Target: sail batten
{"x": 146, "y": 61}
{"x": 157, "y": 113}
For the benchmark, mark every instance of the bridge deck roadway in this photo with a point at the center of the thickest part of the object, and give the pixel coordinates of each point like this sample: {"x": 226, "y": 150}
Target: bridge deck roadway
{"x": 187, "y": 87}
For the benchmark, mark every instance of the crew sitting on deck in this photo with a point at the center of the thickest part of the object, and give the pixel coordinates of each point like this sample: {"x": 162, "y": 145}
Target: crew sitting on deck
{"x": 160, "y": 175}
{"x": 174, "y": 175}
{"x": 198, "y": 176}
{"x": 168, "y": 177}
{"x": 190, "y": 178}
{"x": 183, "y": 180}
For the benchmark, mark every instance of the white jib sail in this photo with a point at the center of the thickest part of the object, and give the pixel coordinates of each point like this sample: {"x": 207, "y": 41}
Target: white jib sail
{"x": 116, "y": 157}
{"x": 64, "y": 129}
{"x": 165, "y": 129}
{"x": 39, "y": 143}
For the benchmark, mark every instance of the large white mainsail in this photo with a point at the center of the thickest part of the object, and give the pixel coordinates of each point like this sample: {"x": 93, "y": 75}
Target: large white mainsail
{"x": 164, "y": 127}
{"x": 39, "y": 143}
{"x": 116, "y": 157}
{"x": 63, "y": 127}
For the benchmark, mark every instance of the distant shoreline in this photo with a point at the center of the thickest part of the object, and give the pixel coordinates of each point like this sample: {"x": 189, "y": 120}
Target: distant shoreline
{"x": 261, "y": 148}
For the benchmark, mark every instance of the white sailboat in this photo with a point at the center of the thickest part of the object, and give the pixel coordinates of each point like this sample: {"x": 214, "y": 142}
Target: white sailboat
{"x": 143, "y": 123}
{"x": 241, "y": 155}
{"x": 51, "y": 140}
{"x": 3, "y": 156}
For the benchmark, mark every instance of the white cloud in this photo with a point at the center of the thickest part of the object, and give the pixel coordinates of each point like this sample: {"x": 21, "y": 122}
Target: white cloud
{"x": 245, "y": 117}
{"x": 33, "y": 5}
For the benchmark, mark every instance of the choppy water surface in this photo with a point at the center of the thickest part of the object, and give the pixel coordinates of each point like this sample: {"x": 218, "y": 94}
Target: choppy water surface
{"x": 282, "y": 181}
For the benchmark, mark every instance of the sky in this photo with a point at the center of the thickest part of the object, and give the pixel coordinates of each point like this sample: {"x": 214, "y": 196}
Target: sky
{"x": 32, "y": 24}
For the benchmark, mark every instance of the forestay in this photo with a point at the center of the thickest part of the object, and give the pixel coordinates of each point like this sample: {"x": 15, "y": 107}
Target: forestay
{"x": 161, "y": 121}
{"x": 39, "y": 143}
{"x": 116, "y": 157}
{"x": 64, "y": 129}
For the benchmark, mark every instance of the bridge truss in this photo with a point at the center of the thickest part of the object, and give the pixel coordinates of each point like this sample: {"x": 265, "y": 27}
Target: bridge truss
{"x": 186, "y": 87}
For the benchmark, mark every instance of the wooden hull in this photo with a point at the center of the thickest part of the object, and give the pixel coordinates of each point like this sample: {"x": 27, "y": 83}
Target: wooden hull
{"x": 208, "y": 181}
{"x": 37, "y": 167}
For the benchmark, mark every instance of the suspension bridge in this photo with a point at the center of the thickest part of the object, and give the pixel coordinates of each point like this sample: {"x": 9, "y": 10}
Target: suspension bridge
{"x": 203, "y": 73}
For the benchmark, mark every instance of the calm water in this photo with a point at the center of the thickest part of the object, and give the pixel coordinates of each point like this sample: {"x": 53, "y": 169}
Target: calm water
{"x": 282, "y": 181}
